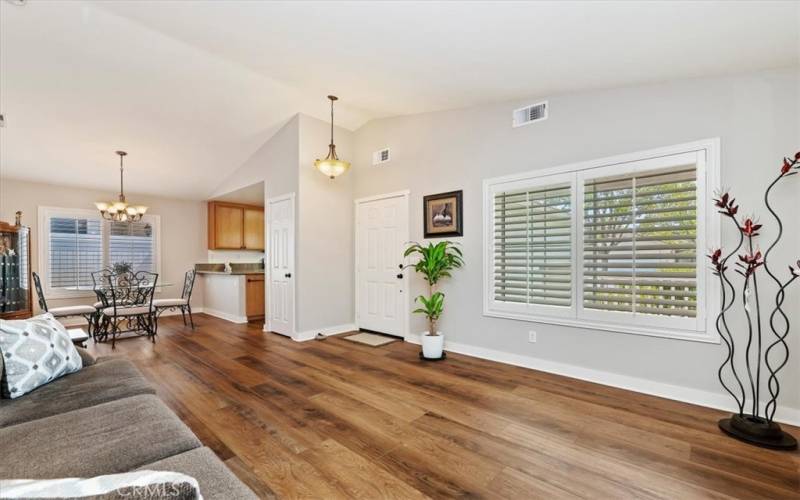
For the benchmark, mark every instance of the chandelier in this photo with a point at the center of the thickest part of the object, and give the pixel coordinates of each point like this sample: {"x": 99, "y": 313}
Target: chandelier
{"x": 119, "y": 210}
{"x": 332, "y": 166}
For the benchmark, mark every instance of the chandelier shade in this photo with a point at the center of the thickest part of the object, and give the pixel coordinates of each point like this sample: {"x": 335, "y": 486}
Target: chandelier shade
{"x": 120, "y": 210}
{"x": 331, "y": 165}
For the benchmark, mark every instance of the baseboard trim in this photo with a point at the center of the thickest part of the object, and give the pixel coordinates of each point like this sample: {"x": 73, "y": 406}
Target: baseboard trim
{"x": 226, "y": 316}
{"x": 326, "y": 331}
{"x": 678, "y": 393}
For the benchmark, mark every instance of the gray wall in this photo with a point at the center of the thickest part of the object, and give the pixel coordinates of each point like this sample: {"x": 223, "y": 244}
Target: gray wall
{"x": 274, "y": 164}
{"x": 324, "y": 216}
{"x": 754, "y": 115}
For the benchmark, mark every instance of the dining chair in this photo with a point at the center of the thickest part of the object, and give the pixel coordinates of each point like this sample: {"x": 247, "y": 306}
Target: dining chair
{"x": 130, "y": 305}
{"x": 86, "y": 311}
{"x": 183, "y": 303}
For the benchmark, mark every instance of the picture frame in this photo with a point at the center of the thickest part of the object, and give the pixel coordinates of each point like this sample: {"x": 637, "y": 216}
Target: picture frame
{"x": 443, "y": 214}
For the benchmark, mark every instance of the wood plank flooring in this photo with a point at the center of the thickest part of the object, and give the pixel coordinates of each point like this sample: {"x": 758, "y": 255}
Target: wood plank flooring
{"x": 336, "y": 419}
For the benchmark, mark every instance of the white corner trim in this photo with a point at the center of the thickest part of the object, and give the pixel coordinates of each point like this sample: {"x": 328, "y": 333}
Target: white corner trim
{"x": 226, "y": 316}
{"x": 326, "y": 331}
{"x": 718, "y": 401}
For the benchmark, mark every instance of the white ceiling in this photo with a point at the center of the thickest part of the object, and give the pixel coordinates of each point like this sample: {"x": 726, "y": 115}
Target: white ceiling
{"x": 192, "y": 88}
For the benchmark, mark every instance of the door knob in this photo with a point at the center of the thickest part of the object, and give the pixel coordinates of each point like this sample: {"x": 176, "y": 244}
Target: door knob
{"x": 400, "y": 276}
{"x": 287, "y": 275}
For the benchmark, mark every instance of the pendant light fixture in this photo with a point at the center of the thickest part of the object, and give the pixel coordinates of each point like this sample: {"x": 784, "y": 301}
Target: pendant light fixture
{"x": 332, "y": 166}
{"x": 119, "y": 210}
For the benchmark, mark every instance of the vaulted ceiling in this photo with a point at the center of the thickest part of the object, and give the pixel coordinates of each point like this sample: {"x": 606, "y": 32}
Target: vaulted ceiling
{"x": 192, "y": 88}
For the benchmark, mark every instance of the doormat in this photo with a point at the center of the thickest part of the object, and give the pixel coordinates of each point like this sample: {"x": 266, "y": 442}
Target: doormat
{"x": 371, "y": 339}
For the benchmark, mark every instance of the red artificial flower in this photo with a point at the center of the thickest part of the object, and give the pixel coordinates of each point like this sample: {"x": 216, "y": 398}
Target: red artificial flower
{"x": 797, "y": 156}
{"x": 786, "y": 166}
{"x": 751, "y": 262}
{"x": 750, "y": 228}
{"x": 715, "y": 256}
{"x": 718, "y": 265}
{"x": 726, "y": 203}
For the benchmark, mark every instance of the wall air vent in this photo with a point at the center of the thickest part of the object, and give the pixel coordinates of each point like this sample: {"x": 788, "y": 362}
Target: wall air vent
{"x": 529, "y": 114}
{"x": 381, "y": 156}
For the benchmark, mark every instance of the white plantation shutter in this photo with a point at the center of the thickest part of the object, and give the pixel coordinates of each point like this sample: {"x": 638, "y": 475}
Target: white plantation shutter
{"x": 532, "y": 254}
{"x": 640, "y": 242}
{"x": 77, "y": 242}
{"x": 75, "y": 250}
{"x": 132, "y": 243}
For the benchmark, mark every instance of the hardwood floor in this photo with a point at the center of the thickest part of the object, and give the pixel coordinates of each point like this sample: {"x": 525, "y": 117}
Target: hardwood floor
{"x": 335, "y": 419}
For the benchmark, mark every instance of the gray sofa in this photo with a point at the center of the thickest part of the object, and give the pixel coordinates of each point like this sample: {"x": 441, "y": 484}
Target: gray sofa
{"x": 105, "y": 419}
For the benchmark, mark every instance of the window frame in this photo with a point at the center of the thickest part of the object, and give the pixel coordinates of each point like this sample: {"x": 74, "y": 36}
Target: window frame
{"x": 46, "y": 213}
{"x": 700, "y": 329}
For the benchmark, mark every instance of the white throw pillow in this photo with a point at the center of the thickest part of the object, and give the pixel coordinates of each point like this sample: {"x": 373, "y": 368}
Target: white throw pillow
{"x": 35, "y": 351}
{"x": 143, "y": 484}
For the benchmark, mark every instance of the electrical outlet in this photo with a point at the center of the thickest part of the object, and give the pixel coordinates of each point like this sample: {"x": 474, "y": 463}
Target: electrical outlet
{"x": 531, "y": 336}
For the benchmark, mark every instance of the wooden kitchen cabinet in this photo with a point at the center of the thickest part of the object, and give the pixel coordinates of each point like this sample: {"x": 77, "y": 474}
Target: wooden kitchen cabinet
{"x": 254, "y": 228}
{"x": 233, "y": 226}
{"x": 254, "y": 296}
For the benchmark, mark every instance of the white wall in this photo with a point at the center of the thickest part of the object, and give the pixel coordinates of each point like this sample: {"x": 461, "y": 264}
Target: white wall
{"x": 324, "y": 268}
{"x": 754, "y": 115}
{"x": 183, "y": 228}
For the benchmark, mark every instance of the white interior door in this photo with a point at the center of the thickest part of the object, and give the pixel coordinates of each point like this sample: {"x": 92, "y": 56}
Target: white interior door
{"x": 280, "y": 299}
{"x": 381, "y": 287}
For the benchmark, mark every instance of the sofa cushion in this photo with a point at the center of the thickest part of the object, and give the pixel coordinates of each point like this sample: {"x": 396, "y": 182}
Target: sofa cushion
{"x": 216, "y": 480}
{"x": 109, "y": 379}
{"x": 104, "y": 439}
{"x": 35, "y": 351}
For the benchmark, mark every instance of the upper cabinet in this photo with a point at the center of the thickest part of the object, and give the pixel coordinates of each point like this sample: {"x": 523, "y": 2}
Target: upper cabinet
{"x": 233, "y": 226}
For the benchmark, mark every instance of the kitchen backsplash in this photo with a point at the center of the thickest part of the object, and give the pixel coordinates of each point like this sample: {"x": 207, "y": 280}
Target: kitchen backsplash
{"x": 215, "y": 256}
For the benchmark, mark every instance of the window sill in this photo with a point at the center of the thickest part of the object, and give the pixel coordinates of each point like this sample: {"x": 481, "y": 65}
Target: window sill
{"x": 703, "y": 337}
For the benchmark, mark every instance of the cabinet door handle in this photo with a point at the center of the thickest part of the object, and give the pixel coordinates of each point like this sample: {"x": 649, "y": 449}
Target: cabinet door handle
{"x": 400, "y": 276}
{"x": 287, "y": 275}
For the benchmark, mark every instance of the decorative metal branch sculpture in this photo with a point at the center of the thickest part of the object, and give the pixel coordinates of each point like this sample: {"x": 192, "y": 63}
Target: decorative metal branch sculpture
{"x": 749, "y": 424}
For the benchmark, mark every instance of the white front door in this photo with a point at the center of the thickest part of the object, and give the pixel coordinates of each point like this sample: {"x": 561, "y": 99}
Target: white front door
{"x": 280, "y": 255}
{"x": 381, "y": 287}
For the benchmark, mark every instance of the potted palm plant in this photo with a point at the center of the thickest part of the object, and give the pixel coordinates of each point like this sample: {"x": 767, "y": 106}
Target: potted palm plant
{"x": 435, "y": 262}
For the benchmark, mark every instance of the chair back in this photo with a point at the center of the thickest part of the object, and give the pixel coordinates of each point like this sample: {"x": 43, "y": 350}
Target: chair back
{"x": 102, "y": 283}
{"x": 37, "y": 283}
{"x": 188, "y": 285}
{"x": 126, "y": 289}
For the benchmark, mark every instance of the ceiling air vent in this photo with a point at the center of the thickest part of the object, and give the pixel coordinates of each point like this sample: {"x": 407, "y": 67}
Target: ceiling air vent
{"x": 529, "y": 114}
{"x": 381, "y": 156}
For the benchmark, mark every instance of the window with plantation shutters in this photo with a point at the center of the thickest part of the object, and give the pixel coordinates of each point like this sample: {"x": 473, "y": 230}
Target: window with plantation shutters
{"x": 533, "y": 246}
{"x": 640, "y": 242}
{"x": 77, "y": 242}
{"x": 75, "y": 251}
{"x": 132, "y": 243}
{"x": 615, "y": 244}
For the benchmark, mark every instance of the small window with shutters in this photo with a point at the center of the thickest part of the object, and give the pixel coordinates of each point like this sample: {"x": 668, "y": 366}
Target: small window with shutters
{"x": 533, "y": 234}
{"x": 613, "y": 244}
{"x": 77, "y": 242}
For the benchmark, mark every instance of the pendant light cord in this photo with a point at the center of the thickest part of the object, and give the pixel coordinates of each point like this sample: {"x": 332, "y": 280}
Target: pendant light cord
{"x": 331, "y": 122}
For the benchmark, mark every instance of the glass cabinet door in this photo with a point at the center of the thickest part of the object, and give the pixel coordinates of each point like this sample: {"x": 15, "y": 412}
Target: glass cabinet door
{"x": 15, "y": 293}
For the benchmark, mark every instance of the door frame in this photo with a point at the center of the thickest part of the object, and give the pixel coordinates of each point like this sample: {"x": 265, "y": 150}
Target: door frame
{"x": 405, "y": 195}
{"x": 268, "y": 319}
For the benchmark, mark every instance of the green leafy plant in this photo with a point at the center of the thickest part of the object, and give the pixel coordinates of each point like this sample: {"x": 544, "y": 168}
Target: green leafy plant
{"x": 435, "y": 262}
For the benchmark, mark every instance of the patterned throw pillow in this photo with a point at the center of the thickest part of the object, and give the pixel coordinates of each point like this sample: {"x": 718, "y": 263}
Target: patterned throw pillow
{"x": 35, "y": 351}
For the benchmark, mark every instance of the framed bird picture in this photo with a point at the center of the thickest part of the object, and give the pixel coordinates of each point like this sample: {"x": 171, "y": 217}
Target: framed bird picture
{"x": 444, "y": 214}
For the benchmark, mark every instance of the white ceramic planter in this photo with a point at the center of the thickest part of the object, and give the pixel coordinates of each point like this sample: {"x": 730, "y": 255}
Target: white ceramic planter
{"x": 432, "y": 345}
